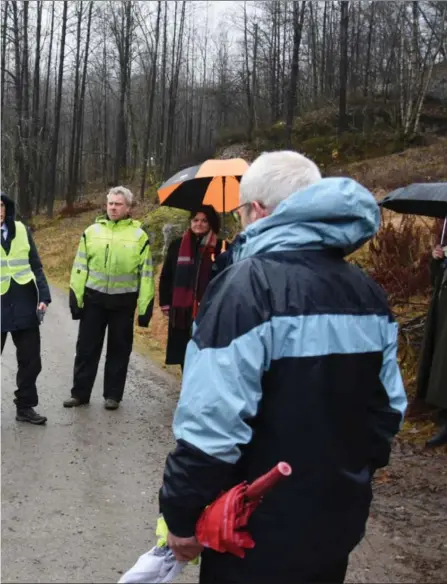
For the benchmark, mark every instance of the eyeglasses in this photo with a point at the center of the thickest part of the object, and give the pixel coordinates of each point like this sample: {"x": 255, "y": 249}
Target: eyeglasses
{"x": 236, "y": 212}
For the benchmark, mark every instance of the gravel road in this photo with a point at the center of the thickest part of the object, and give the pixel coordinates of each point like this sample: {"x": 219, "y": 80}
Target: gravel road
{"x": 79, "y": 496}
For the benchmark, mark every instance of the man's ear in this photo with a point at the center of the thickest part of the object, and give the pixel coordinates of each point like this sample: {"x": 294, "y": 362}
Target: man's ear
{"x": 259, "y": 209}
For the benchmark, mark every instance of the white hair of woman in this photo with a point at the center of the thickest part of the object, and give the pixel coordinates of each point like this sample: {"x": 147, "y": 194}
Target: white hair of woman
{"x": 126, "y": 193}
{"x": 274, "y": 176}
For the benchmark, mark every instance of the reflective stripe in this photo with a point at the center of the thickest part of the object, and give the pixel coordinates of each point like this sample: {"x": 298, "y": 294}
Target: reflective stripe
{"x": 98, "y": 275}
{"x": 112, "y": 291}
{"x": 80, "y": 266}
{"x": 17, "y": 262}
{"x": 81, "y": 254}
{"x": 3, "y": 263}
{"x": 123, "y": 290}
{"x": 22, "y": 273}
{"x": 148, "y": 263}
{"x": 4, "y": 278}
{"x": 147, "y": 274}
{"x": 124, "y": 278}
{"x": 106, "y": 278}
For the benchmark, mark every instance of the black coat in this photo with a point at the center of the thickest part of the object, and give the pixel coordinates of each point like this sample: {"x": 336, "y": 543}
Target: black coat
{"x": 432, "y": 377}
{"x": 19, "y": 304}
{"x": 178, "y": 339}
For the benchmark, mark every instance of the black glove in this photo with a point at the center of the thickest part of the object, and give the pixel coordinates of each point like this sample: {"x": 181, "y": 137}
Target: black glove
{"x": 76, "y": 313}
{"x": 143, "y": 321}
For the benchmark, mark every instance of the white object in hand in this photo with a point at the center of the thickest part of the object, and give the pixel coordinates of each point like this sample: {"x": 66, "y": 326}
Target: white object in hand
{"x": 157, "y": 565}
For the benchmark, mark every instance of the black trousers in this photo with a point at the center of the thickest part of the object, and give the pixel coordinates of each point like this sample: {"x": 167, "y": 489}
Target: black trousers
{"x": 29, "y": 365}
{"x": 333, "y": 573}
{"x": 92, "y": 328}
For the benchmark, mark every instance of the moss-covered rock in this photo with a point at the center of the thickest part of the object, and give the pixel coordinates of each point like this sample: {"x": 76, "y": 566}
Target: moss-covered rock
{"x": 163, "y": 225}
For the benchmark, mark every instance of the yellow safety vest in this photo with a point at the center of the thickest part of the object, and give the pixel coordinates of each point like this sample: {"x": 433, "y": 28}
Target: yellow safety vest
{"x": 114, "y": 258}
{"x": 15, "y": 265}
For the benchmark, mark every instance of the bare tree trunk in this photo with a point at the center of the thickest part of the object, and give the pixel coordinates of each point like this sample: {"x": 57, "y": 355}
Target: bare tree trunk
{"x": 368, "y": 51}
{"x": 254, "y": 80}
{"x": 173, "y": 90}
{"x": 151, "y": 103}
{"x": 57, "y": 116}
{"x": 123, "y": 38}
{"x": 3, "y": 58}
{"x": 35, "y": 186}
{"x": 344, "y": 27}
{"x": 162, "y": 137}
{"x": 298, "y": 21}
{"x": 247, "y": 78}
{"x": 313, "y": 34}
{"x": 43, "y": 140}
{"x": 80, "y": 120}
{"x": 22, "y": 109}
{"x": 71, "y": 187}
{"x": 200, "y": 112}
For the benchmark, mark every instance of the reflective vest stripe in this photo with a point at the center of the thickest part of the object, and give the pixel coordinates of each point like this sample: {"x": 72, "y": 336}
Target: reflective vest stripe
{"x": 14, "y": 263}
{"x": 106, "y": 278}
{"x": 112, "y": 291}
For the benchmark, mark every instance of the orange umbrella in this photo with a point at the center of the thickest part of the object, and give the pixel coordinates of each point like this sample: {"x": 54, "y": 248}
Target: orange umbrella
{"x": 214, "y": 182}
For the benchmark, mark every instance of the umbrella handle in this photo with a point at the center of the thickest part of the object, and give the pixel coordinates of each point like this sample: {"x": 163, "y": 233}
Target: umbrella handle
{"x": 264, "y": 484}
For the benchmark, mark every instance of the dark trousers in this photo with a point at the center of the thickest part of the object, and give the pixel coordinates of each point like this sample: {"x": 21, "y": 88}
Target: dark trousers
{"x": 334, "y": 573}
{"x": 29, "y": 365}
{"x": 92, "y": 328}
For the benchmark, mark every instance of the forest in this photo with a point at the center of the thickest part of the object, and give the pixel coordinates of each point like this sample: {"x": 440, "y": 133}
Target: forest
{"x": 128, "y": 92}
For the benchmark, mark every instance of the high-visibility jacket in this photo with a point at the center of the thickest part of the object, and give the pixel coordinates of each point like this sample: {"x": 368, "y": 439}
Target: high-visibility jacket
{"x": 114, "y": 257}
{"x": 15, "y": 265}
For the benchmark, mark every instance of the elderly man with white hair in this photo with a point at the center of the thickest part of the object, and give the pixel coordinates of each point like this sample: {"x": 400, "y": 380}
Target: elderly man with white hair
{"x": 292, "y": 358}
{"x": 112, "y": 274}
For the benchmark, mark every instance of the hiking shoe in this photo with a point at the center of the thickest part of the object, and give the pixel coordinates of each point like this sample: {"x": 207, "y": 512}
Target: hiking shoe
{"x": 111, "y": 404}
{"x": 29, "y": 415}
{"x": 74, "y": 402}
{"x": 439, "y": 440}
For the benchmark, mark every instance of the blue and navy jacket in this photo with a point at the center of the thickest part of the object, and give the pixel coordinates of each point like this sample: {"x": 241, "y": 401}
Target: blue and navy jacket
{"x": 293, "y": 358}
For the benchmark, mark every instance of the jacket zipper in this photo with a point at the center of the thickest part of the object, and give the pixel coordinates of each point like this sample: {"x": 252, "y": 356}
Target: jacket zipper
{"x": 106, "y": 255}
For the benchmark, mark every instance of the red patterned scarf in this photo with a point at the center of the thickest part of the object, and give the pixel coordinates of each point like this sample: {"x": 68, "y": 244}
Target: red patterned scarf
{"x": 192, "y": 276}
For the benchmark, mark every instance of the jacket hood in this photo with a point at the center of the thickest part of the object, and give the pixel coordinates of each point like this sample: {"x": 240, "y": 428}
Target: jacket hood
{"x": 336, "y": 213}
{"x": 10, "y": 208}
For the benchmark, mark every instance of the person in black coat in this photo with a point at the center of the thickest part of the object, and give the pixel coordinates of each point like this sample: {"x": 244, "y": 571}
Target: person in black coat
{"x": 186, "y": 272}
{"x": 22, "y": 308}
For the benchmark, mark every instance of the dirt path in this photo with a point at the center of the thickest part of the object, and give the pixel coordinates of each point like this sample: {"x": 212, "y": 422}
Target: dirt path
{"x": 79, "y": 497}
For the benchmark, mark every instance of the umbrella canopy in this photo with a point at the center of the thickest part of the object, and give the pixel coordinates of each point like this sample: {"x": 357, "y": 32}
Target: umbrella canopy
{"x": 221, "y": 525}
{"x": 214, "y": 182}
{"x": 428, "y": 199}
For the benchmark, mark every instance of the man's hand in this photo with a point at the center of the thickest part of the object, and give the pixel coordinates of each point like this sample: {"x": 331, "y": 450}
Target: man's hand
{"x": 438, "y": 253}
{"x": 184, "y": 549}
{"x": 42, "y": 306}
{"x": 165, "y": 310}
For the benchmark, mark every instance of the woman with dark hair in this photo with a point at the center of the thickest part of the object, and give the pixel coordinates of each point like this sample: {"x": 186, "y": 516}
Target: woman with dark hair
{"x": 187, "y": 271}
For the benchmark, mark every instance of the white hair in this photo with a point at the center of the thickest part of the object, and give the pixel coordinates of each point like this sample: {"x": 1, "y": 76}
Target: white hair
{"x": 127, "y": 194}
{"x": 274, "y": 176}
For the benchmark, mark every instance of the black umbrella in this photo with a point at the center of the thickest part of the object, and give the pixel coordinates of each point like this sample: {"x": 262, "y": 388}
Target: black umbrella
{"x": 427, "y": 199}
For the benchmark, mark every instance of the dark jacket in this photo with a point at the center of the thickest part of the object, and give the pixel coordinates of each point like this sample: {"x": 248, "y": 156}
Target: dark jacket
{"x": 293, "y": 359}
{"x": 178, "y": 339}
{"x": 19, "y": 304}
{"x": 432, "y": 375}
